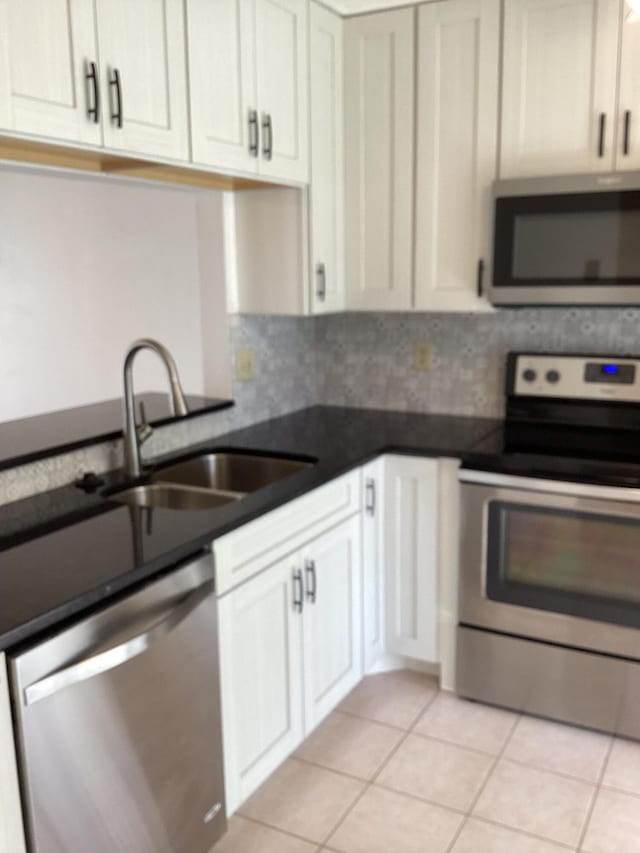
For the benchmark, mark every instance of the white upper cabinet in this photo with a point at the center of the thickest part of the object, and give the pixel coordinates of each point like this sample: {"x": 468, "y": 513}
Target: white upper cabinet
{"x": 142, "y": 53}
{"x": 628, "y": 142}
{"x": 456, "y": 162}
{"x": 327, "y": 160}
{"x": 379, "y": 129}
{"x": 248, "y": 73}
{"x": 559, "y": 86}
{"x": 282, "y": 73}
{"x": 47, "y": 48}
{"x": 224, "y": 118}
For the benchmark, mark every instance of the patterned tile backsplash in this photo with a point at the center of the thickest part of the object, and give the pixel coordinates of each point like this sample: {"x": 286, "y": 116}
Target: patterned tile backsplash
{"x": 363, "y": 360}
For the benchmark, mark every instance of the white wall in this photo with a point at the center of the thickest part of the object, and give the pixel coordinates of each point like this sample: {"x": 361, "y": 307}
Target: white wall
{"x": 87, "y": 266}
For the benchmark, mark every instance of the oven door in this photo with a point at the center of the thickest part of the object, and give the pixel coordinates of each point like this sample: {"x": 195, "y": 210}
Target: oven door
{"x": 552, "y": 561}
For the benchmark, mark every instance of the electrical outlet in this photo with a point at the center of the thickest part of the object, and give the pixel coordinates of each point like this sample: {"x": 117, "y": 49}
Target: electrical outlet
{"x": 245, "y": 364}
{"x": 422, "y": 353}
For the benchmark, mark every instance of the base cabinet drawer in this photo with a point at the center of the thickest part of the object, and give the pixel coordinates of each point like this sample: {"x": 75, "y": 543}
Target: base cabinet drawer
{"x": 290, "y": 650}
{"x": 261, "y": 543}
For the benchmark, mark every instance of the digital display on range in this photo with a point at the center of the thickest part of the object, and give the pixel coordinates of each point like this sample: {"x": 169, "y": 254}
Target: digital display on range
{"x": 610, "y": 372}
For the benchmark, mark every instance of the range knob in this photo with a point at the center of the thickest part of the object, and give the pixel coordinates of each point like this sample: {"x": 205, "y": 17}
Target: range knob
{"x": 529, "y": 375}
{"x": 553, "y": 376}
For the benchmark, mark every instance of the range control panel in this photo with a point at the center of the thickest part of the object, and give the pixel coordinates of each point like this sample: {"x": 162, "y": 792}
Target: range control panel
{"x": 575, "y": 377}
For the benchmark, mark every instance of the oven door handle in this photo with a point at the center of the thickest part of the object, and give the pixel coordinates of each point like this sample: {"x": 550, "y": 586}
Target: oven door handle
{"x": 556, "y": 487}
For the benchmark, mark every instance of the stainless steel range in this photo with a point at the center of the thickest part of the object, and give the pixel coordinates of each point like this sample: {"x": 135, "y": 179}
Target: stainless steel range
{"x": 549, "y": 617}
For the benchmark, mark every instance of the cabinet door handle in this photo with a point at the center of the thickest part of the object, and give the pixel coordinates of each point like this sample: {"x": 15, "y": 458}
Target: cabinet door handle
{"x": 91, "y": 76}
{"x": 298, "y": 591}
{"x": 370, "y": 500}
{"x": 480, "y": 280}
{"x": 267, "y": 136}
{"x": 310, "y": 569}
{"x": 116, "y": 86}
{"x": 627, "y": 132}
{"x": 253, "y": 133}
{"x": 601, "y": 131}
{"x": 321, "y": 279}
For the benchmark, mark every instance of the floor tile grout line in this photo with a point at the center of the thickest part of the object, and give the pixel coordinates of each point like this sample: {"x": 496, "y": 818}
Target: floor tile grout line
{"x": 352, "y": 776}
{"x": 372, "y": 720}
{"x": 277, "y": 829}
{"x": 592, "y": 804}
{"x": 488, "y": 775}
{"x": 380, "y": 769}
{"x": 519, "y": 831}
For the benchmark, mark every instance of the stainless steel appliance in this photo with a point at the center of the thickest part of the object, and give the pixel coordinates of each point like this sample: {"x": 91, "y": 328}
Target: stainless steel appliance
{"x": 118, "y": 725}
{"x": 549, "y": 613}
{"x": 567, "y": 241}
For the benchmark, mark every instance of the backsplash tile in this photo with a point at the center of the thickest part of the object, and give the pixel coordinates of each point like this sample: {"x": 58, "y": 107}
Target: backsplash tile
{"x": 363, "y": 360}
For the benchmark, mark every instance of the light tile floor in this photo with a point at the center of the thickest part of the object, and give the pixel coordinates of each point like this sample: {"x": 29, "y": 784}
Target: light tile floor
{"x": 400, "y": 767}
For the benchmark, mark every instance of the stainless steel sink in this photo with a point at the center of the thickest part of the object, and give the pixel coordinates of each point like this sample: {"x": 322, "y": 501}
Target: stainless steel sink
{"x": 169, "y": 496}
{"x": 238, "y": 473}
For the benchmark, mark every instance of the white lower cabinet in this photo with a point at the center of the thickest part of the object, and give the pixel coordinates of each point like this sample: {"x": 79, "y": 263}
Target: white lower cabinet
{"x": 290, "y": 650}
{"x": 331, "y": 619}
{"x": 373, "y": 606}
{"x": 411, "y": 556}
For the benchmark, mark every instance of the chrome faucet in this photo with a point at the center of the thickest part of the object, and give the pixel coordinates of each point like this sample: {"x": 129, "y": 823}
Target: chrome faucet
{"x": 135, "y": 436}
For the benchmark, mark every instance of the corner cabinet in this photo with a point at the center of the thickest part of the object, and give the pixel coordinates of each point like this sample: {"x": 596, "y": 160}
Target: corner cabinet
{"x": 327, "y": 161}
{"x": 248, "y": 72}
{"x": 456, "y": 162}
{"x": 379, "y": 129}
{"x": 560, "y": 68}
{"x": 411, "y": 556}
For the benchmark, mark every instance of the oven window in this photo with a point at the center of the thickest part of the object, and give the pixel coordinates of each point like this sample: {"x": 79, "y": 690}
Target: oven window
{"x": 579, "y": 563}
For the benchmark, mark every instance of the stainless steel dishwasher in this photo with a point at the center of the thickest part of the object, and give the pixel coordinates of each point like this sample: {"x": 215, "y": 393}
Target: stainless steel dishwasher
{"x": 118, "y": 724}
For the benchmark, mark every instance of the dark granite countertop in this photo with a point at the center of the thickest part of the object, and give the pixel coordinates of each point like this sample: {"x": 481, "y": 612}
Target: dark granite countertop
{"x": 65, "y": 551}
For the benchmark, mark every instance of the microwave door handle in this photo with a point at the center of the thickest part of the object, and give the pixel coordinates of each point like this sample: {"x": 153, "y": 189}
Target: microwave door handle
{"x": 102, "y": 662}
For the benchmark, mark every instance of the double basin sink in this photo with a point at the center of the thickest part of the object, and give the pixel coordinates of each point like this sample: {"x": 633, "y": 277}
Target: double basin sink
{"x": 209, "y": 481}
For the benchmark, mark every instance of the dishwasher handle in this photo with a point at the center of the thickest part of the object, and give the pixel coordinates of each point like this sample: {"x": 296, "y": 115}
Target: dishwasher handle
{"x": 115, "y": 656}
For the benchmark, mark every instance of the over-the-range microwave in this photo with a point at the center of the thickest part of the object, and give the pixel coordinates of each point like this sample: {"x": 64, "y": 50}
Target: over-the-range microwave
{"x": 567, "y": 241}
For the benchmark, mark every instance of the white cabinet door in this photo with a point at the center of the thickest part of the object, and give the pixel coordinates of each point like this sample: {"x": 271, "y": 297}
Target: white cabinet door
{"x": 282, "y": 73}
{"x": 559, "y": 86}
{"x": 411, "y": 556}
{"x": 379, "y": 131}
{"x": 46, "y": 51}
{"x": 628, "y": 142}
{"x": 261, "y": 677}
{"x": 327, "y": 160}
{"x": 332, "y": 619}
{"x": 458, "y": 75}
{"x": 144, "y": 80}
{"x": 11, "y": 828}
{"x": 373, "y": 597}
{"x": 222, "y": 83}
